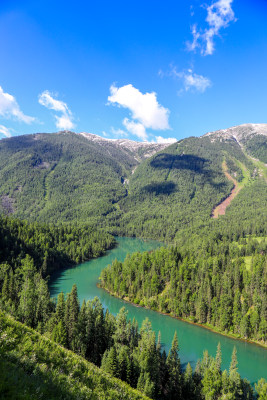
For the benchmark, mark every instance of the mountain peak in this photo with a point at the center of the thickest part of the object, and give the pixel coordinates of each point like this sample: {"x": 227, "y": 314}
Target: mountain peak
{"x": 240, "y": 132}
{"x": 148, "y": 148}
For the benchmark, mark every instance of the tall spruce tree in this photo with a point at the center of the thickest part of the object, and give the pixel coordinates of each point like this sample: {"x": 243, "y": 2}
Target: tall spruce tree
{"x": 174, "y": 382}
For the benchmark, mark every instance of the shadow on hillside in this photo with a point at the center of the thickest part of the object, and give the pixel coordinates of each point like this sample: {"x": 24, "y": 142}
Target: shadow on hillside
{"x": 184, "y": 161}
{"x": 18, "y": 142}
{"x": 160, "y": 188}
{"x": 189, "y": 162}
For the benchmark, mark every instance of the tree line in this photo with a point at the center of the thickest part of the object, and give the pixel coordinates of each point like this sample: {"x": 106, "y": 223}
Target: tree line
{"x": 115, "y": 343}
{"x": 221, "y": 283}
{"x": 51, "y": 247}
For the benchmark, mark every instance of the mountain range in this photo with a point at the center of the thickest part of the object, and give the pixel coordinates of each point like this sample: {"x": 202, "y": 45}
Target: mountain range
{"x": 83, "y": 178}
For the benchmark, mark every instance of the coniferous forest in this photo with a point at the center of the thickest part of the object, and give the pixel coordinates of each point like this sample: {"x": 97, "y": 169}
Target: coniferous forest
{"x": 133, "y": 200}
{"x": 209, "y": 271}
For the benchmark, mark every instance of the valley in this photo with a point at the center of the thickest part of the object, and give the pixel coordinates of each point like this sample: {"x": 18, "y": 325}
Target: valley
{"x": 193, "y": 339}
{"x": 67, "y": 199}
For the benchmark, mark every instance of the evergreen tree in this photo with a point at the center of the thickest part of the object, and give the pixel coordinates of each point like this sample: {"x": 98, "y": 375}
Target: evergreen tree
{"x": 71, "y": 315}
{"x": 218, "y": 358}
{"x": 174, "y": 383}
{"x": 60, "y": 307}
{"x": 110, "y": 362}
{"x": 235, "y": 383}
{"x": 188, "y": 384}
{"x": 261, "y": 389}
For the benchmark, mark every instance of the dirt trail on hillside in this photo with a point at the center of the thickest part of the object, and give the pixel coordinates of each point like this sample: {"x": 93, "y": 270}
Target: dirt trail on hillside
{"x": 221, "y": 208}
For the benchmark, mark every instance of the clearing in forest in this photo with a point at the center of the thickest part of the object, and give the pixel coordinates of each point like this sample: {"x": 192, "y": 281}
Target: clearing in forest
{"x": 221, "y": 208}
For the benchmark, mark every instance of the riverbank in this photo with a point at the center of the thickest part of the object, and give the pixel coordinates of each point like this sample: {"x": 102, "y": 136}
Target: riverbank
{"x": 209, "y": 327}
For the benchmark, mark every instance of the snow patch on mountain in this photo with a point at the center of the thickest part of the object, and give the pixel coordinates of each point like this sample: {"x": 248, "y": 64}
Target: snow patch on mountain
{"x": 148, "y": 149}
{"x": 240, "y": 133}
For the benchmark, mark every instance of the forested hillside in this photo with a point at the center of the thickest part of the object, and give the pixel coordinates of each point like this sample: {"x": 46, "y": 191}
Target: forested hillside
{"x": 178, "y": 188}
{"x": 32, "y": 365}
{"x": 116, "y": 344}
{"x": 222, "y": 284}
{"x": 73, "y": 189}
{"x": 50, "y": 247}
{"x": 214, "y": 275}
{"x": 126, "y": 187}
{"x": 60, "y": 177}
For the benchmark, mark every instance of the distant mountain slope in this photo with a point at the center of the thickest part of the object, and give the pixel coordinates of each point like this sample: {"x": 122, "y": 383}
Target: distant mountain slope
{"x": 138, "y": 150}
{"x": 133, "y": 188}
{"x": 179, "y": 186}
{"x": 252, "y": 137}
{"x": 62, "y": 177}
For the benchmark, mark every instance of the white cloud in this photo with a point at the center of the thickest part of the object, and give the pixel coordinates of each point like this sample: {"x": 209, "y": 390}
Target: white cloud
{"x": 136, "y": 128}
{"x": 191, "y": 80}
{"x": 5, "y": 131}
{"x": 197, "y": 82}
{"x": 9, "y": 108}
{"x": 160, "y": 139}
{"x": 196, "y": 35}
{"x": 64, "y": 121}
{"x": 220, "y": 14}
{"x": 144, "y": 107}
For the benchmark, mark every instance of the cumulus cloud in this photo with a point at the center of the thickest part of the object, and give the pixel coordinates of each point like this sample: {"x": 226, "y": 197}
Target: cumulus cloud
{"x": 145, "y": 110}
{"x": 219, "y": 15}
{"x": 63, "y": 121}
{"x": 160, "y": 139}
{"x": 5, "y": 131}
{"x": 144, "y": 107}
{"x": 136, "y": 128}
{"x": 9, "y": 108}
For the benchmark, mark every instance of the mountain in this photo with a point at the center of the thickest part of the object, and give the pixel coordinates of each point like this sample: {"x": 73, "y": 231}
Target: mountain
{"x": 131, "y": 188}
{"x": 65, "y": 176}
{"x": 138, "y": 150}
{"x": 251, "y": 137}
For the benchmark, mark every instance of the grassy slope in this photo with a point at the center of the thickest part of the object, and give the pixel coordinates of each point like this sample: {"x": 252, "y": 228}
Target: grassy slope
{"x": 34, "y": 367}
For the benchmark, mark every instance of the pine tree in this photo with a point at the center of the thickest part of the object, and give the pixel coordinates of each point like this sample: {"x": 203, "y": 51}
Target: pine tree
{"x": 174, "y": 384}
{"x": 218, "y": 358}
{"x": 110, "y": 362}
{"x": 261, "y": 389}
{"x": 60, "y": 307}
{"x": 235, "y": 383}
{"x": 234, "y": 362}
{"x": 71, "y": 315}
{"x": 145, "y": 385}
{"x": 211, "y": 382}
{"x": 188, "y": 391}
{"x": 120, "y": 335}
{"x": 123, "y": 364}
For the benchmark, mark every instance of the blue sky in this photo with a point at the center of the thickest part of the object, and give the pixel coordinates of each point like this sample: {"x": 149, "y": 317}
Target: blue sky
{"x": 146, "y": 70}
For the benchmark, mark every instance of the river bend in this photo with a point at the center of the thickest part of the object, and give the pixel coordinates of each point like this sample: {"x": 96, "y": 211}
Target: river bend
{"x": 193, "y": 340}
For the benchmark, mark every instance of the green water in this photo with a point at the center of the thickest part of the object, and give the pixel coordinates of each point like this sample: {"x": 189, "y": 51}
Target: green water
{"x": 193, "y": 339}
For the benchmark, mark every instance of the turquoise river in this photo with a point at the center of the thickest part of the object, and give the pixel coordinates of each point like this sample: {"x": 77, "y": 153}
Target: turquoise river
{"x": 193, "y": 340}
